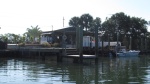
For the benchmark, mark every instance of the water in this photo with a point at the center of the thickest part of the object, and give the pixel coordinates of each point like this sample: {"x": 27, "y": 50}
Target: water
{"x": 127, "y": 70}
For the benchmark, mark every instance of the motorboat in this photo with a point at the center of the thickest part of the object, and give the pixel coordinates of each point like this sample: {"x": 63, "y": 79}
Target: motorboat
{"x": 124, "y": 52}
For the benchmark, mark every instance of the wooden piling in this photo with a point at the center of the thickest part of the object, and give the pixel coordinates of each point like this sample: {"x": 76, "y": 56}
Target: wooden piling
{"x": 96, "y": 45}
{"x": 81, "y": 44}
{"x": 59, "y": 57}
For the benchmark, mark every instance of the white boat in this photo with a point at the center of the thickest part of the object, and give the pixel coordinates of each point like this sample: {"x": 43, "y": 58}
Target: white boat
{"x": 124, "y": 52}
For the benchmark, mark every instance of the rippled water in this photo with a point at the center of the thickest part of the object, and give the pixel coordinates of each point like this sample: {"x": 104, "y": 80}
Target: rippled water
{"x": 129, "y": 70}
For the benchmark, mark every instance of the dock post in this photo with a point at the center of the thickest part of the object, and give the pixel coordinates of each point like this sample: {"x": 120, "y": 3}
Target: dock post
{"x": 39, "y": 54}
{"x": 77, "y": 38}
{"x": 81, "y": 44}
{"x": 96, "y": 74}
{"x": 29, "y": 53}
{"x": 43, "y": 58}
{"x": 59, "y": 57}
{"x": 96, "y": 45}
{"x": 102, "y": 50}
{"x": 22, "y": 52}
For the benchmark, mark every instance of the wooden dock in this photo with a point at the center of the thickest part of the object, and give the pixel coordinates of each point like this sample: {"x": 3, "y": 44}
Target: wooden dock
{"x": 60, "y": 53}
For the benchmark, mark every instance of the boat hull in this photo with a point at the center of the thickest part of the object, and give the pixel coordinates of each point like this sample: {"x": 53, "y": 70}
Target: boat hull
{"x": 128, "y": 53}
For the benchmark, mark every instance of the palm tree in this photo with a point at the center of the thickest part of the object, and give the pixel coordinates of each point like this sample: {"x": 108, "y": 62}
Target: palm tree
{"x": 34, "y": 32}
{"x": 86, "y": 21}
{"x": 96, "y": 23}
{"x": 74, "y": 21}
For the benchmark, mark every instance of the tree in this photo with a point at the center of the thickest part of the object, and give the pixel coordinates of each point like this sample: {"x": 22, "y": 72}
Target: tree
{"x": 12, "y": 38}
{"x": 86, "y": 21}
{"x": 34, "y": 32}
{"x": 3, "y": 38}
{"x": 139, "y": 24}
{"x": 96, "y": 23}
{"x": 74, "y": 21}
{"x": 126, "y": 26}
{"x": 138, "y": 31}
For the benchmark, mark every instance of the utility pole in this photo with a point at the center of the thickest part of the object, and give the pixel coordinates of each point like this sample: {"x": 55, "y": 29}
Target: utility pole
{"x": 63, "y": 21}
{"x": 52, "y": 28}
{"x": 64, "y": 38}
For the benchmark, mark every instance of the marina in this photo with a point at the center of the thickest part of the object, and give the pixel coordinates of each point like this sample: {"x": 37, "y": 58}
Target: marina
{"x": 74, "y": 42}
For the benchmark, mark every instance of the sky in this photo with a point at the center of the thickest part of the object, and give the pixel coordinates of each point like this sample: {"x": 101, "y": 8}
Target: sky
{"x": 18, "y": 15}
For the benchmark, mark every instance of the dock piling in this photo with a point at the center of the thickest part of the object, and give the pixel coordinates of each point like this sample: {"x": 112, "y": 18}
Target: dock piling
{"x": 81, "y": 44}
{"x": 59, "y": 57}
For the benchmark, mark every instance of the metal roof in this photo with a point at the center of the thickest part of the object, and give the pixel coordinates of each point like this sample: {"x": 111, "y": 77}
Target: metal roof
{"x": 71, "y": 30}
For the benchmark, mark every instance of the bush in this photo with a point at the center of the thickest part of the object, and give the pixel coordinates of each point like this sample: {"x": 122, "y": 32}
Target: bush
{"x": 21, "y": 44}
{"x": 46, "y": 44}
{"x": 56, "y": 45}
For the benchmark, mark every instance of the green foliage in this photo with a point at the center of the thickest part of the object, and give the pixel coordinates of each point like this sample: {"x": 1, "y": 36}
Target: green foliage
{"x": 21, "y": 44}
{"x": 46, "y": 44}
{"x": 127, "y": 26}
{"x": 33, "y": 32}
{"x": 11, "y": 38}
{"x": 23, "y": 38}
{"x": 85, "y": 21}
{"x": 56, "y": 45}
{"x": 96, "y": 24}
{"x": 125, "y": 23}
{"x": 74, "y": 21}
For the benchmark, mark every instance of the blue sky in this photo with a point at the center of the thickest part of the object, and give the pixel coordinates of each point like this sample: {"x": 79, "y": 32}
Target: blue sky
{"x": 18, "y": 15}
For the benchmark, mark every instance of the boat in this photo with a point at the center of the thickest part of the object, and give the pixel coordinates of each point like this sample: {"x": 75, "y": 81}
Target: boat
{"x": 124, "y": 52}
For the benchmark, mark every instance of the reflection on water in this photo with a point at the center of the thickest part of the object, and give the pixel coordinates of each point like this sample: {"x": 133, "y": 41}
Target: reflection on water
{"x": 124, "y": 70}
